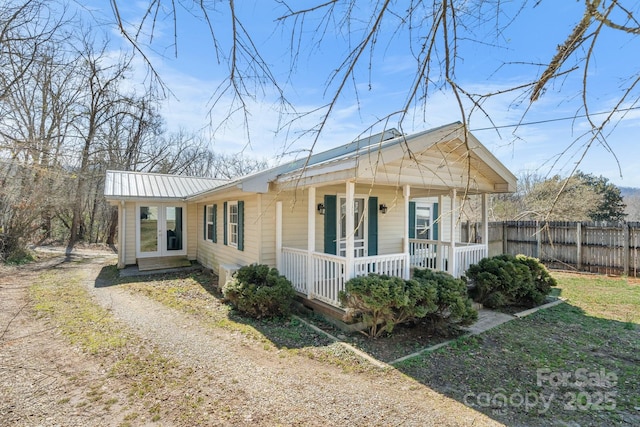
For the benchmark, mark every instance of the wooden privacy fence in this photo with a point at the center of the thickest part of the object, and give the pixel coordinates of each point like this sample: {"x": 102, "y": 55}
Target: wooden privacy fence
{"x": 606, "y": 248}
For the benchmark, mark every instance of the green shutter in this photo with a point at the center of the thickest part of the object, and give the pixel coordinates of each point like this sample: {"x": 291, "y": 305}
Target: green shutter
{"x": 330, "y": 222}
{"x": 214, "y": 236}
{"x": 372, "y": 240}
{"x": 241, "y": 225}
{"x": 436, "y": 221}
{"x": 412, "y": 220}
{"x": 204, "y": 227}
{"x": 224, "y": 220}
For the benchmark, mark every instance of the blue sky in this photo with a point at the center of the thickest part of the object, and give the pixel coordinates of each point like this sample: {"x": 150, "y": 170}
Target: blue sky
{"x": 495, "y": 63}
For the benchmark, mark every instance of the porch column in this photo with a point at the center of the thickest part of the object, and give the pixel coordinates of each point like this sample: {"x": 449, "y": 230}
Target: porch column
{"x": 485, "y": 222}
{"x": 440, "y": 250}
{"x": 279, "y": 236}
{"x": 311, "y": 237}
{"x": 122, "y": 226}
{"x": 452, "y": 231}
{"x": 406, "y": 192}
{"x": 350, "y": 228}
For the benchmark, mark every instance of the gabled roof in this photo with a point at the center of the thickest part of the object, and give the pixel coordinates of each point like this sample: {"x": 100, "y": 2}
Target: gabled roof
{"x": 439, "y": 159}
{"x": 121, "y": 185}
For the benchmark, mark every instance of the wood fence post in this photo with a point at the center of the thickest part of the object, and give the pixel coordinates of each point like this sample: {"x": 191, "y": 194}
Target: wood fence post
{"x": 504, "y": 237}
{"x": 578, "y": 245}
{"x": 538, "y": 240}
{"x": 625, "y": 249}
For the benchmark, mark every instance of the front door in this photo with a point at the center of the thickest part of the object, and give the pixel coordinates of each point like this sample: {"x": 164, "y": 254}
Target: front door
{"x": 360, "y": 227}
{"x": 161, "y": 230}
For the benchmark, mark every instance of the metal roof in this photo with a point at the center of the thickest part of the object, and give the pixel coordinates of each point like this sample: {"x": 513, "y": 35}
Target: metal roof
{"x": 364, "y": 151}
{"x": 122, "y": 184}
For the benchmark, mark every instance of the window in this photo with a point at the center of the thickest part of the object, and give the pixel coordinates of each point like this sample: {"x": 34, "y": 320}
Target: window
{"x": 232, "y": 223}
{"x": 210, "y": 221}
{"x": 423, "y": 221}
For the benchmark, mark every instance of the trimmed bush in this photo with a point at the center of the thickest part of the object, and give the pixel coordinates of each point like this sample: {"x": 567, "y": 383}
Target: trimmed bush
{"x": 505, "y": 280}
{"x": 382, "y": 302}
{"x": 259, "y": 291}
{"x": 454, "y": 308}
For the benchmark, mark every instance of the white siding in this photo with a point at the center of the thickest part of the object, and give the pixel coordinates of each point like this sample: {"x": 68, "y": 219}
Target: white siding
{"x": 210, "y": 254}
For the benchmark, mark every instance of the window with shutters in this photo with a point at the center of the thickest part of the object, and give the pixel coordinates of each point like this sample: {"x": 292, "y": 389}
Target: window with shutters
{"x": 232, "y": 223}
{"x": 210, "y": 223}
{"x": 423, "y": 221}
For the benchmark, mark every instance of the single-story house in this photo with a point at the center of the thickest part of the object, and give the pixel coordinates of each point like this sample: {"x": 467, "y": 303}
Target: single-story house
{"x": 382, "y": 204}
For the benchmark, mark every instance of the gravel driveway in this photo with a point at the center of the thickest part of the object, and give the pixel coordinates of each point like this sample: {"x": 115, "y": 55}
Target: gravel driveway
{"x": 252, "y": 385}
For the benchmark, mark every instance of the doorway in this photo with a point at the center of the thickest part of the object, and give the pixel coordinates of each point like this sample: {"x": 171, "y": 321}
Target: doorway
{"x": 161, "y": 230}
{"x": 360, "y": 227}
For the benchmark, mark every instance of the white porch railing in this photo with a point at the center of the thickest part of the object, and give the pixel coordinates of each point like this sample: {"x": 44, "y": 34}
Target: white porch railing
{"x": 328, "y": 274}
{"x": 390, "y": 265}
{"x": 328, "y": 277}
{"x": 294, "y": 268}
{"x": 436, "y": 255}
{"x": 467, "y": 254}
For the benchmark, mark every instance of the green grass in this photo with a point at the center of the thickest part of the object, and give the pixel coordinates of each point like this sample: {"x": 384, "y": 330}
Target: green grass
{"x": 595, "y": 333}
{"x": 600, "y": 296}
{"x": 84, "y": 323}
{"x": 62, "y": 298}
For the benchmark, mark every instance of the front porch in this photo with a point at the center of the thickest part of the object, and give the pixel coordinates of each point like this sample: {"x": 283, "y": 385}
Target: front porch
{"x": 397, "y": 247}
{"x": 322, "y": 276}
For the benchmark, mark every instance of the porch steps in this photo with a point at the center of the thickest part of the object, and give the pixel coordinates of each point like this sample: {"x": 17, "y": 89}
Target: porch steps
{"x": 330, "y": 313}
{"x": 161, "y": 263}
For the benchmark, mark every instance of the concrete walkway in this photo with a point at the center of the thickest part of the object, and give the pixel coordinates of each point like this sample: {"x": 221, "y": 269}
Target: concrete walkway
{"x": 488, "y": 319}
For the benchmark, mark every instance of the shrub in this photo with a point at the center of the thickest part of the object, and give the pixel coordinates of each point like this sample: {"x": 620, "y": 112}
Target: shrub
{"x": 505, "y": 280}
{"x": 382, "y": 302}
{"x": 453, "y": 305}
{"x": 259, "y": 291}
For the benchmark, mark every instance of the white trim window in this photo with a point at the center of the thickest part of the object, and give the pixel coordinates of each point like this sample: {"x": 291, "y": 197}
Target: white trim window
{"x": 232, "y": 223}
{"x": 423, "y": 221}
{"x": 210, "y": 229}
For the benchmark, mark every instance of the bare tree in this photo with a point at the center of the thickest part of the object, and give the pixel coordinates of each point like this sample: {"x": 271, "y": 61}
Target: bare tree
{"x": 434, "y": 34}
{"x": 35, "y": 115}
{"x": 25, "y": 26}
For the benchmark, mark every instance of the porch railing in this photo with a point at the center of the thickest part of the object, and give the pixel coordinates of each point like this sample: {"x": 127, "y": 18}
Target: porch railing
{"x": 436, "y": 255}
{"x": 328, "y": 274}
{"x": 467, "y": 254}
{"x": 294, "y": 268}
{"x": 390, "y": 265}
{"x": 328, "y": 277}
{"x": 329, "y": 271}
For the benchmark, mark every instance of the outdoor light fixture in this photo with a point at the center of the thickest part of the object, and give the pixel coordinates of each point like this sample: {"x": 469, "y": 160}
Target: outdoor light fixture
{"x": 383, "y": 208}
{"x": 321, "y": 208}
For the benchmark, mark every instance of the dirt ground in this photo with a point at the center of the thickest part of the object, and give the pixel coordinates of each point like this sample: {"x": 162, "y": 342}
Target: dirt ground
{"x": 224, "y": 377}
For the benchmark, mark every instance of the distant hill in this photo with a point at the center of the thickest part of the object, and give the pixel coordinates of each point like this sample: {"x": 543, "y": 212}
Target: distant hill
{"x": 631, "y": 198}
{"x": 629, "y": 191}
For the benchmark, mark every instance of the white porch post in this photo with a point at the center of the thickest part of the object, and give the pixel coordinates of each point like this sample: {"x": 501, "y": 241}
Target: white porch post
{"x": 485, "y": 222}
{"x": 440, "y": 252}
{"x": 311, "y": 237}
{"x": 279, "y": 236}
{"x": 452, "y": 230}
{"x": 406, "y": 192}
{"x": 350, "y": 228}
{"x": 122, "y": 241}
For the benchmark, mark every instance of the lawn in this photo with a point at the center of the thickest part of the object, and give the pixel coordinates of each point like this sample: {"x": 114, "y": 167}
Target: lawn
{"x": 577, "y": 362}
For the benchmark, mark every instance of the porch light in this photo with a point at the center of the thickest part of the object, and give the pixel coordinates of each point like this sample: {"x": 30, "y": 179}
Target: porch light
{"x": 321, "y": 208}
{"x": 383, "y": 208}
